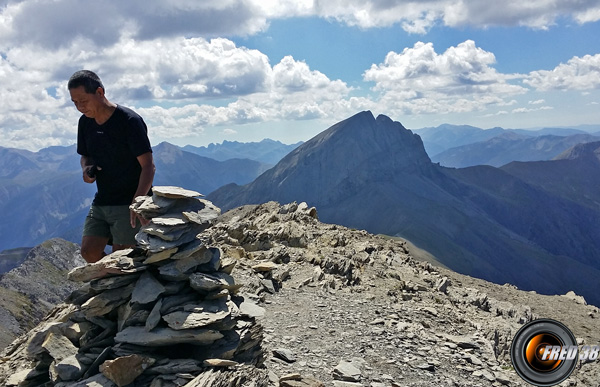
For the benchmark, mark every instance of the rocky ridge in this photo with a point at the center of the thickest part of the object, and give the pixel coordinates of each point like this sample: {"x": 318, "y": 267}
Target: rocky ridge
{"x": 29, "y": 291}
{"x": 349, "y": 308}
{"x": 342, "y": 308}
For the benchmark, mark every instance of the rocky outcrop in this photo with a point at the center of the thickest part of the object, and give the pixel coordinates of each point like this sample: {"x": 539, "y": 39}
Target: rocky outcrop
{"x": 348, "y": 308}
{"x": 29, "y": 291}
{"x": 156, "y": 315}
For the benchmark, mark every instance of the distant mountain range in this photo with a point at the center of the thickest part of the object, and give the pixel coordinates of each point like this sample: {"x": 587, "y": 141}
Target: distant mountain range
{"x": 444, "y": 137}
{"x": 175, "y": 166}
{"x": 266, "y": 151}
{"x": 43, "y": 196}
{"x": 510, "y": 146}
{"x": 483, "y": 221}
{"x": 11, "y": 258}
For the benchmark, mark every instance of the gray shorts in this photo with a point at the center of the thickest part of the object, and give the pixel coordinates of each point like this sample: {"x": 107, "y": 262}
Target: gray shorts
{"x": 111, "y": 222}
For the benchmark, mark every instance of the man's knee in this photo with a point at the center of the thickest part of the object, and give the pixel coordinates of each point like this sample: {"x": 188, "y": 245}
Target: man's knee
{"x": 92, "y": 248}
{"x": 91, "y": 255}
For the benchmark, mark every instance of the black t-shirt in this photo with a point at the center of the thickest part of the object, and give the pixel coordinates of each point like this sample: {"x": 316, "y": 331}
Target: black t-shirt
{"x": 114, "y": 146}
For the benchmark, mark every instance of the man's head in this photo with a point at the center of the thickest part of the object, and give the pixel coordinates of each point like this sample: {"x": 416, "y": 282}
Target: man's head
{"x": 86, "y": 78}
{"x": 87, "y": 93}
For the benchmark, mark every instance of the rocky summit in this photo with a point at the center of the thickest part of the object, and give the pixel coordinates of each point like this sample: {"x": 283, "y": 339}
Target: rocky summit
{"x": 267, "y": 295}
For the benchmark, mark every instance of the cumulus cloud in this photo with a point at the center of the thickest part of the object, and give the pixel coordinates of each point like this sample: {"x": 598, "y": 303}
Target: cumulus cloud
{"x": 527, "y": 110}
{"x": 537, "y": 102}
{"x": 577, "y": 74}
{"x": 419, "y": 80}
{"x": 292, "y": 92}
{"x": 174, "y": 62}
{"x": 212, "y": 83}
{"x": 419, "y": 16}
{"x": 58, "y": 23}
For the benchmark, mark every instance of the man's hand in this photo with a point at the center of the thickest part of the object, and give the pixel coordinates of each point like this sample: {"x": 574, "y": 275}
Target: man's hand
{"x": 89, "y": 173}
{"x": 132, "y": 219}
{"x": 86, "y": 176}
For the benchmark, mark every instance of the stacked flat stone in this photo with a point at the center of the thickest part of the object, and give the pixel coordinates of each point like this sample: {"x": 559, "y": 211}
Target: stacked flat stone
{"x": 158, "y": 315}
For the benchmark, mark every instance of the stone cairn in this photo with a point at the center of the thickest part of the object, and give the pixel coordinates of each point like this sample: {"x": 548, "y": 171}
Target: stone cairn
{"x": 166, "y": 313}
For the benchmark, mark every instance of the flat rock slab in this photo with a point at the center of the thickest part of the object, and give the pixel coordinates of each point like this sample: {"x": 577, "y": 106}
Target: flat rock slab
{"x": 112, "y": 282}
{"x": 251, "y": 309}
{"x": 118, "y": 263}
{"x": 170, "y": 220}
{"x": 188, "y": 249}
{"x": 69, "y": 368}
{"x": 190, "y": 320}
{"x": 174, "y": 192}
{"x": 166, "y": 336}
{"x": 167, "y": 233}
{"x": 155, "y": 244}
{"x": 175, "y": 366}
{"x": 199, "y": 315}
{"x": 212, "y": 282}
{"x": 205, "y": 215}
{"x": 147, "y": 289}
{"x": 219, "y": 363}
{"x": 59, "y": 347}
{"x": 347, "y": 371}
{"x": 284, "y": 354}
{"x": 105, "y": 302}
{"x": 124, "y": 370}
{"x": 154, "y": 316}
{"x": 264, "y": 267}
{"x": 161, "y": 256}
{"x": 97, "y": 380}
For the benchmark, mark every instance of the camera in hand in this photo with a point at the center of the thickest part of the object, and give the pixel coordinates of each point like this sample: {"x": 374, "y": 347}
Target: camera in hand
{"x": 92, "y": 171}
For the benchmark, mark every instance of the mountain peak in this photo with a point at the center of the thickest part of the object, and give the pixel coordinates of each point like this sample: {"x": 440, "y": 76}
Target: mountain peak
{"x": 345, "y": 158}
{"x": 587, "y": 151}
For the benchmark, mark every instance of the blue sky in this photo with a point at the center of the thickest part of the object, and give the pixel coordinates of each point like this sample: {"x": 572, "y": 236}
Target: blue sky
{"x": 202, "y": 72}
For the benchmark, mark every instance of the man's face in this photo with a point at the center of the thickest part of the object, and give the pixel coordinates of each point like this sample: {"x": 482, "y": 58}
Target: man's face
{"x": 88, "y": 104}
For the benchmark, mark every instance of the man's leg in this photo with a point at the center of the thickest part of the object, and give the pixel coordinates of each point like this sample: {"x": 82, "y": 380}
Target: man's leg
{"x": 92, "y": 248}
{"x": 96, "y": 234}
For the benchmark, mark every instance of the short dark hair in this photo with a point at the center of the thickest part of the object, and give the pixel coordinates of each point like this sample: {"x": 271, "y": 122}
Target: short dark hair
{"x": 86, "y": 78}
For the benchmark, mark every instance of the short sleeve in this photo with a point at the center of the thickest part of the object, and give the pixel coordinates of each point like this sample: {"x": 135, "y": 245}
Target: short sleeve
{"x": 81, "y": 140}
{"x": 137, "y": 136}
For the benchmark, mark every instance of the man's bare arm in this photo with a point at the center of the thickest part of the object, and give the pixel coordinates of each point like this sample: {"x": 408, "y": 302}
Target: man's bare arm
{"x": 86, "y": 164}
{"x": 145, "y": 183}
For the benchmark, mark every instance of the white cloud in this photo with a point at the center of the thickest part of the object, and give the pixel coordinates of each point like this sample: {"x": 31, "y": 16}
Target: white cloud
{"x": 537, "y": 102}
{"x": 419, "y": 80}
{"x": 184, "y": 68}
{"x": 419, "y": 16}
{"x": 292, "y": 91}
{"x": 577, "y": 74}
{"x": 58, "y": 23}
{"x": 219, "y": 83}
{"x": 527, "y": 110}
{"x": 229, "y": 132}
{"x": 174, "y": 62}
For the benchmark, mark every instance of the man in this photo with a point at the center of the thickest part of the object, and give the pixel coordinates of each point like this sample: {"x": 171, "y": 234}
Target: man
{"x": 116, "y": 154}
